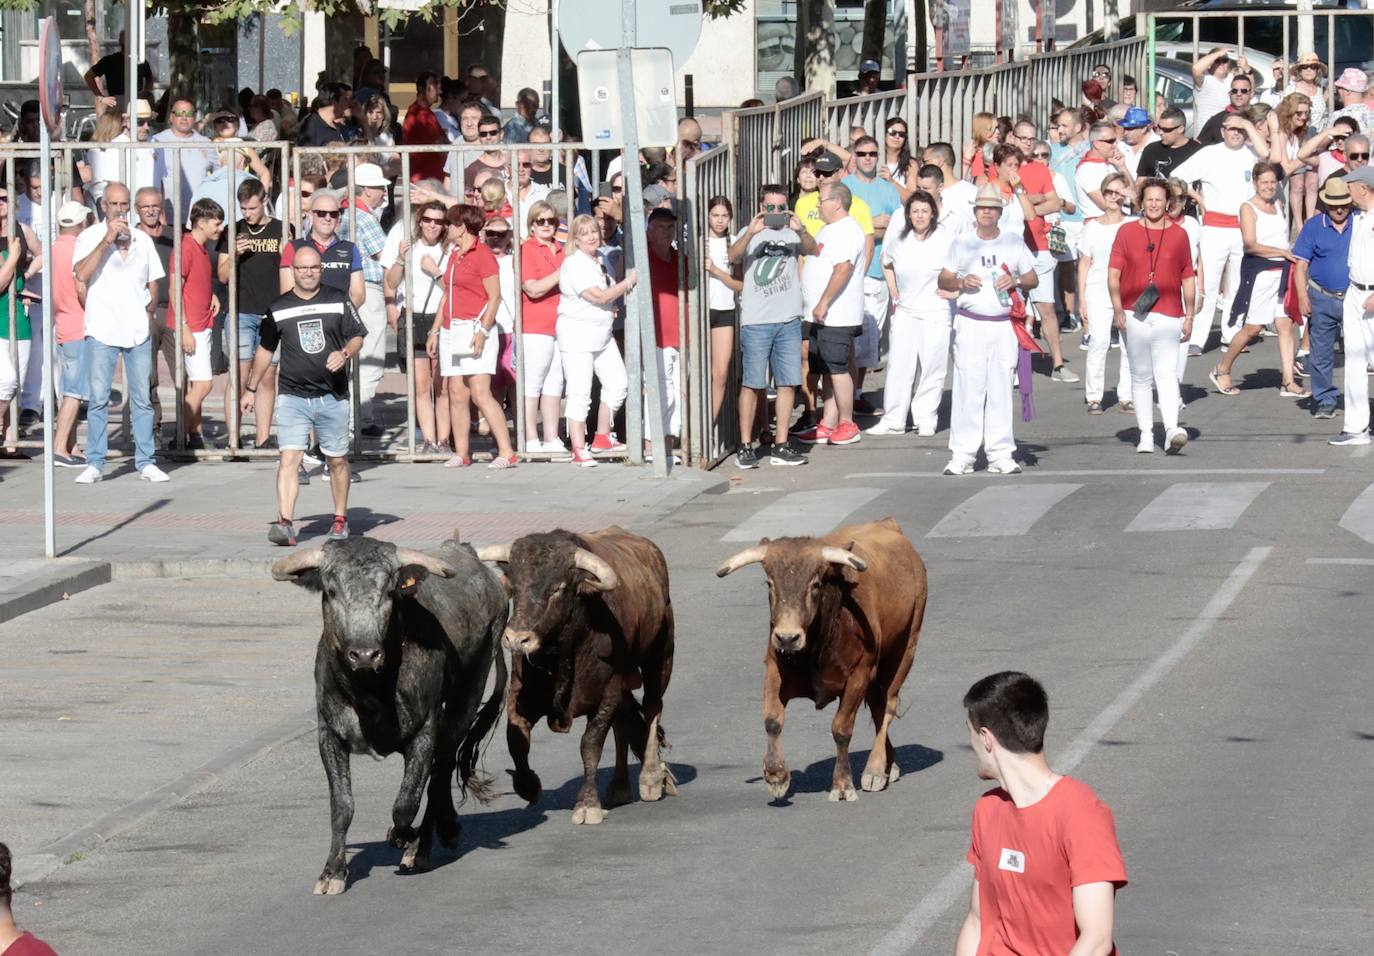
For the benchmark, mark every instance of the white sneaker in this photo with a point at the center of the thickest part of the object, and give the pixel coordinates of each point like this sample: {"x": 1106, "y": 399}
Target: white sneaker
{"x": 1064, "y": 374}
{"x": 1004, "y": 466}
{"x": 1174, "y": 441}
{"x": 958, "y": 467}
{"x": 534, "y": 445}
{"x": 1146, "y": 446}
{"x": 1344, "y": 438}
{"x": 154, "y": 474}
{"x": 926, "y": 430}
{"x": 555, "y": 447}
{"x": 89, "y": 476}
{"x": 882, "y": 428}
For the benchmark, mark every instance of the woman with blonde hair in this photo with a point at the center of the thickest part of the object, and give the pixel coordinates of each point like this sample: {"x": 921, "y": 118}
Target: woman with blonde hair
{"x": 984, "y": 134}
{"x": 1289, "y": 126}
{"x": 541, "y": 259}
{"x": 494, "y": 202}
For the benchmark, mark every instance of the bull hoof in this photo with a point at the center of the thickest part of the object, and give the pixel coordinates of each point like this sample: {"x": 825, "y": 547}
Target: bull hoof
{"x": 650, "y": 790}
{"x": 400, "y": 837}
{"x": 413, "y": 860}
{"x": 894, "y": 774}
{"x": 843, "y": 794}
{"x": 778, "y": 784}
{"x": 449, "y": 832}
{"x": 873, "y": 782}
{"x": 527, "y": 785}
{"x": 588, "y": 815}
{"x": 328, "y": 885}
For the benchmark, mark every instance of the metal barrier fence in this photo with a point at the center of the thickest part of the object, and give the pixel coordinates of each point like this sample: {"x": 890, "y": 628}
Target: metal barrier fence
{"x": 708, "y": 175}
{"x": 766, "y": 141}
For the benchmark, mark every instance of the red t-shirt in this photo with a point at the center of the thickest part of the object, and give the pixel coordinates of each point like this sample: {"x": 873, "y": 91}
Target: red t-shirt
{"x": 69, "y": 317}
{"x": 663, "y": 286}
{"x": 467, "y": 296}
{"x": 421, "y": 128}
{"x": 1038, "y": 181}
{"x": 1027, "y": 862}
{"x": 539, "y": 316}
{"x": 29, "y": 945}
{"x": 1171, "y": 261}
{"x": 195, "y": 287}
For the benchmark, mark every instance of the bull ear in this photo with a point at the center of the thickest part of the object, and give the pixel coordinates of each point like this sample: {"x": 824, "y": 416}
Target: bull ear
{"x": 409, "y": 577}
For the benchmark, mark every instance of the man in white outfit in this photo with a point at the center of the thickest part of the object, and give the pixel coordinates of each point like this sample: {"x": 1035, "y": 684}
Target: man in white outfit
{"x": 984, "y": 266}
{"x": 1357, "y": 321}
{"x": 1224, "y": 170}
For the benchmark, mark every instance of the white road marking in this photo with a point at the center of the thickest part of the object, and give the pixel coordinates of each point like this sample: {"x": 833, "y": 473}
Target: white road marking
{"x": 802, "y": 512}
{"x": 1360, "y": 562}
{"x": 1198, "y": 506}
{"x": 955, "y": 884}
{"x": 1359, "y": 517}
{"x": 1001, "y": 510}
{"x": 1170, "y": 473}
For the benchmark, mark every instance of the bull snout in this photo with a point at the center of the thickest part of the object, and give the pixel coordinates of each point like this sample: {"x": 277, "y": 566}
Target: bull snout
{"x": 366, "y": 658}
{"x": 789, "y": 641}
{"x": 520, "y": 642}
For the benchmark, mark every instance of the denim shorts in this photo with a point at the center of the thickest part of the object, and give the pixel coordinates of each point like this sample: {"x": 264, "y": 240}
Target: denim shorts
{"x": 76, "y": 370}
{"x": 327, "y": 415}
{"x": 775, "y": 344}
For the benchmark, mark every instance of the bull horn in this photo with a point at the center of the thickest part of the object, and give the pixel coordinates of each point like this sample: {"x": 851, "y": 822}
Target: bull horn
{"x": 288, "y": 568}
{"x": 427, "y": 561}
{"x": 602, "y": 573}
{"x": 847, "y": 558}
{"x": 499, "y": 553}
{"x": 747, "y": 556}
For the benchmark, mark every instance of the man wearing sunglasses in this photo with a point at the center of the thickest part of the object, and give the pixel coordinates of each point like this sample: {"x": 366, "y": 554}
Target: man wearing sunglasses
{"x": 1336, "y": 150}
{"x": 195, "y": 164}
{"x": 1101, "y": 159}
{"x": 491, "y": 158}
{"x": 1173, "y": 147}
{"x": 1224, "y": 173}
{"x": 1240, "y": 94}
{"x": 341, "y": 265}
{"x": 883, "y": 201}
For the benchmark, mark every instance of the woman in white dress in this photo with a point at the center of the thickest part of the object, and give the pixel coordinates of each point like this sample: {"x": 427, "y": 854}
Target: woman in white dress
{"x": 586, "y": 311}
{"x": 1095, "y": 300}
{"x": 1264, "y": 230}
{"x": 921, "y": 318}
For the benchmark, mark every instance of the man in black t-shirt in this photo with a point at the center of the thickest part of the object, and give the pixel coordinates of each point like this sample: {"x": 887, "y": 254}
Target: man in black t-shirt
{"x": 1166, "y": 154}
{"x": 258, "y": 243}
{"x": 325, "y": 124}
{"x": 318, "y": 331}
{"x": 111, "y": 70}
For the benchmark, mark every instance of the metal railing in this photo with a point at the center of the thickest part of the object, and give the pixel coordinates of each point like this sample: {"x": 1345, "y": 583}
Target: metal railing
{"x": 706, "y": 442}
{"x": 766, "y": 141}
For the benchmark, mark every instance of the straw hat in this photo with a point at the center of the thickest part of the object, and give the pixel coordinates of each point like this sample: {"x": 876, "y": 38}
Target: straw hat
{"x": 1335, "y": 192}
{"x": 989, "y": 196}
{"x": 1309, "y": 58}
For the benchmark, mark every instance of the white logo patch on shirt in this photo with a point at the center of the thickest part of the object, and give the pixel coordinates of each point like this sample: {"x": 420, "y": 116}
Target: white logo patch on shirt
{"x": 1012, "y": 860}
{"x": 311, "y": 332}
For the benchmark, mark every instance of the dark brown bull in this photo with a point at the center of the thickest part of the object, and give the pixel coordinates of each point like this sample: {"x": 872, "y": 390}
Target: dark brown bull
{"x": 591, "y": 620}
{"x": 845, "y": 615}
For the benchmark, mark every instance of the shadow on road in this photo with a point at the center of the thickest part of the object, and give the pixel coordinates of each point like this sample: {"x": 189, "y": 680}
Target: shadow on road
{"x": 817, "y": 778}
{"x": 147, "y": 509}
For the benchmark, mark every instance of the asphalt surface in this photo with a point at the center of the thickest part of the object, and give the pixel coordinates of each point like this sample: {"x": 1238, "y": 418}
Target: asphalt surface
{"x": 1201, "y": 623}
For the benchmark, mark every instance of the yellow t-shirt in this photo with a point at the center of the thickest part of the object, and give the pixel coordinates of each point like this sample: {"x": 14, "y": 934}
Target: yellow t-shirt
{"x": 809, "y": 212}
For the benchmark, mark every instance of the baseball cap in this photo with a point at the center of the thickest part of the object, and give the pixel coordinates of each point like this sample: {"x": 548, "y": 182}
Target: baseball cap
{"x": 869, "y": 66}
{"x": 655, "y": 194}
{"x": 1364, "y": 175}
{"x": 1334, "y": 192}
{"x": 1135, "y": 118}
{"x": 828, "y": 163}
{"x": 1356, "y": 81}
{"x": 72, "y": 213}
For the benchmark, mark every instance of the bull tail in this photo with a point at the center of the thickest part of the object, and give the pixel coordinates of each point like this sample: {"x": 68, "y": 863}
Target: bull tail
{"x": 632, "y": 712}
{"x": 483, "y": 787}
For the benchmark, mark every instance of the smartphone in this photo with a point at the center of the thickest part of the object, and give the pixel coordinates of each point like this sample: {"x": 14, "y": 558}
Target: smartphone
{"x": 603, "y": 191}
{"x": 777, "y": 220}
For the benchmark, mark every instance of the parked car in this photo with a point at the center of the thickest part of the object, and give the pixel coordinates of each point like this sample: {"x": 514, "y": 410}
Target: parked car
{"x": 1174, "y": 81}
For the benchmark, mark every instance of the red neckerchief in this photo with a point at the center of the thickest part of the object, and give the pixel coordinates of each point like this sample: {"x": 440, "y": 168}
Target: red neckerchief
{"x": 1090, "y": 157}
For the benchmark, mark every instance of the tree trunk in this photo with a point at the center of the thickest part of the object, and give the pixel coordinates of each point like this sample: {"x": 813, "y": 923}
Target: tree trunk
{"x": 875, "y": 30}
{"x": 815, "y": 49}
{"x": 183, "y": 55}
{"x": 92, "y": 42}
{"x": 921, "y": 23}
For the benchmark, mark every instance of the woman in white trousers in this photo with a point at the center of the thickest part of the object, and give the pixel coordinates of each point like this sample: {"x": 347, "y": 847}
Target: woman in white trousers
{"x": 1094, "y": 253}
{"x": 921, "y": 321}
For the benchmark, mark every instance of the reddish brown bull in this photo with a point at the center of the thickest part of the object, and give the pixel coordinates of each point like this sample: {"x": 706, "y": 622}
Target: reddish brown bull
{"x": 591, "y": 620}
{"x": 845, "y": 615}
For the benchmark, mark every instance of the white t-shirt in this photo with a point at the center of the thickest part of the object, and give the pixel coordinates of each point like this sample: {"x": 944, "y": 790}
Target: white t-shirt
{"x": 505, "y": 313}
{"x": 117, "y": 295}
{"x": 719, "y": 295}
{"x": 956, "y": 206}
{"x": 916, "y": 264}
{"x": 1213, "y": 97}
{"x": 985, "y": 258}
{"x": 1013, "y": 218}
{"x": 1096, "y": 244}
{"x": 1131, "y": 154}
{"x": 1225, "y": 176}
{"x": 428, "y": 290}
{"x": 582, "y": 326}
{"x": 1088, "y": 177}
{"x": 1194, "y": 230}
{"x": 839, "y": 241}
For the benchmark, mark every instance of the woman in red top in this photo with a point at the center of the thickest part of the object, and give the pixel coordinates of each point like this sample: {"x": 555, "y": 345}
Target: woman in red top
{"x": 541, "y": 258}
{"x": 464, "y": 336}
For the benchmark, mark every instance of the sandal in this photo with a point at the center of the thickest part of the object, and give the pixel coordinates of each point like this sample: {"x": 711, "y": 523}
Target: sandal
{"x": 457, "y": 461}
{"x": 1294, "y": 390}
{"x": 501, "y": 464}
{"x": 1126, "y": 407}
{"x": 1229, "y": 389}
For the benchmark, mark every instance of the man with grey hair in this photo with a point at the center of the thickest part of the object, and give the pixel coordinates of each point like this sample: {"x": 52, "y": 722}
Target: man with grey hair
{"x": 361, "y": 225}
{"x": 1101, "y": 159}
{"x": 785, "y": 89}
{"x": 833, "y": 299}
{"x": 1357, "y": 320}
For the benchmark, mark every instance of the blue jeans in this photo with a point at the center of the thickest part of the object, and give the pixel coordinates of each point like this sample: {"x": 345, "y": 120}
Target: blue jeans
{"x": 772, "y": 344}
{"x": 138, "y": 363}
{"x": 1325, "y": 327}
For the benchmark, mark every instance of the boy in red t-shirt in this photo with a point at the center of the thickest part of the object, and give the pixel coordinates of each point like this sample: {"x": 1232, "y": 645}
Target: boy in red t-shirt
{"x": 199, "y": 305}
{"x": 1046, "y": 865}
{"x": 663, "y": 275}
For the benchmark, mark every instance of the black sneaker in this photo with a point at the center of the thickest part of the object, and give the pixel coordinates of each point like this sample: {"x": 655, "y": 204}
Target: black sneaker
{"x": 372, "y": 431}
{"x": 803, "y": 424}
{"x": 786, "y": 455}
{"x": 195, "y": 442}
{"x": 747, "y": 457}
{"x": 302, "y": 476}
{"x": 313, "y": 456}
{"x": 1323, "y": 411}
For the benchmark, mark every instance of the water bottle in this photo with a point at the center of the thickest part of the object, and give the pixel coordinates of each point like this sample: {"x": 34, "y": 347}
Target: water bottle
{"x": 1003, "y": 296}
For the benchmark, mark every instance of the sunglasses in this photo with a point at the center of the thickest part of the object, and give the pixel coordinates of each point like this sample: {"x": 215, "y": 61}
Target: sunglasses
{"x": 692, "y": 143}
{"x": 484, "y": 133}
{"x": 4, "y": 198}
{"x": 1112, "y": 194}
{"x": 329, "y": 213}
{"x": 183, "y": 112}
{"x": 1169, "y": 129}
{"x": 774, "y": 207}
{"x": 1364, "y": 156}
{"x": 828, "y": 174}
{"x": 1239, "y": 90}
{"x": 545, "y": 221}
{"x": 897, "y": 133}
{"x": 431, "y": 221}
{"x": 867, "y": 154}
{"x": 1104, "y": 74}
{"x": 1339, "y": 137}
{"x": 525, "y": 165}
{"x": 1232, "y": 129}
{"x": 500, "y": 235}
{"x": 1040, "y": 155}
{"x": 1109, "y": 142}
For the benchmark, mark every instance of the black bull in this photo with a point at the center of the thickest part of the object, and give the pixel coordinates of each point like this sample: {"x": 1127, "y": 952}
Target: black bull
{"x": 409, "y": 642}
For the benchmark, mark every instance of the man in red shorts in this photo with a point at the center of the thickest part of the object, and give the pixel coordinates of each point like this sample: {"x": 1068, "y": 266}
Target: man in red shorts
{"x": 1046, "y": 865}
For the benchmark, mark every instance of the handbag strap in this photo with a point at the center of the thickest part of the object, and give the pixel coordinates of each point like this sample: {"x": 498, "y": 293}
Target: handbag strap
{"x": 433, "y": 281}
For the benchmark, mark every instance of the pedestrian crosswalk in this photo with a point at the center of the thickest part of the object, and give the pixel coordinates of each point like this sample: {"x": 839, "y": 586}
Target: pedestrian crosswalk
{"x": 1019, "y": 507}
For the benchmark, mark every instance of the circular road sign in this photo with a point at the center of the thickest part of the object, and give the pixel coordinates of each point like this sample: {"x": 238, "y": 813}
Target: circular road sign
{"x": 50, "y": 75}
{"x": 595, "y": 25}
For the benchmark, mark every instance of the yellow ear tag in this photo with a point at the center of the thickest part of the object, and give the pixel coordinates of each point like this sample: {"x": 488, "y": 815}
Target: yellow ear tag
{"x": 408, "y": 583}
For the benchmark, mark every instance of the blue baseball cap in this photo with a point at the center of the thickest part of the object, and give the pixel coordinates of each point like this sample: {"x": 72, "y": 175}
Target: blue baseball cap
{"x": 1135, "y": 118}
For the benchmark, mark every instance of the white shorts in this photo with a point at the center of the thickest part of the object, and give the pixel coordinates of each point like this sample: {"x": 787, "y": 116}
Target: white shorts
{"x": 1045, "y": 265}
{"x": 483, "y": 363}
{"x": 543, "y": 365}
{"x": 198, "y": 364}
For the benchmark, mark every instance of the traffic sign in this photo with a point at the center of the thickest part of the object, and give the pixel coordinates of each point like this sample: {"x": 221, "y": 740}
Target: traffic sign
{"x": 603, "y": 113}
{"x": 50, "y": 76}
{"x": 597, "y": 25}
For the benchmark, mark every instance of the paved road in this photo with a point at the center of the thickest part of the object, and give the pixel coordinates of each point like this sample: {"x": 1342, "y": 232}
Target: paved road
{"x": 1201, "y": 622}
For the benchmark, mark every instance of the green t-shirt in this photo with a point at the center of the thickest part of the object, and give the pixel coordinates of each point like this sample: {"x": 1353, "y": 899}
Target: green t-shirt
{"x": 21, "y": 316}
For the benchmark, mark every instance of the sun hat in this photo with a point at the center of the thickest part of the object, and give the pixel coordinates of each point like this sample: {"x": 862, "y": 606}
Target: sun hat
{"x": 1335, "y": 192}
{"x": 989, "y": 196}
{"x": 1310, "y": 59}
{"x": 369, "y": 175}
{"x": 1356, "y": 81}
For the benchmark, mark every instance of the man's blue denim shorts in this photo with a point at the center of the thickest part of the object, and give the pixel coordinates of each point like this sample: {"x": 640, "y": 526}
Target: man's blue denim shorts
{"x": 327, "y": 415}
{"x": 776, "y": 344}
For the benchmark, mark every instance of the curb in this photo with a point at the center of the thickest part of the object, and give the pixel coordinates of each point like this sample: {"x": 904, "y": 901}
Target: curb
{"x": 55, "y": 584}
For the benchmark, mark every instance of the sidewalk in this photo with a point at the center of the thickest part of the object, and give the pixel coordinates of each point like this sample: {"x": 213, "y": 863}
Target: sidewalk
{"x": 213, "y": 516}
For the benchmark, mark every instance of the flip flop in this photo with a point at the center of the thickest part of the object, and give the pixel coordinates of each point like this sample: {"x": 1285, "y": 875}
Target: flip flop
{"x": 1294, "y": 390}
{"x": 1214, "y": 375}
